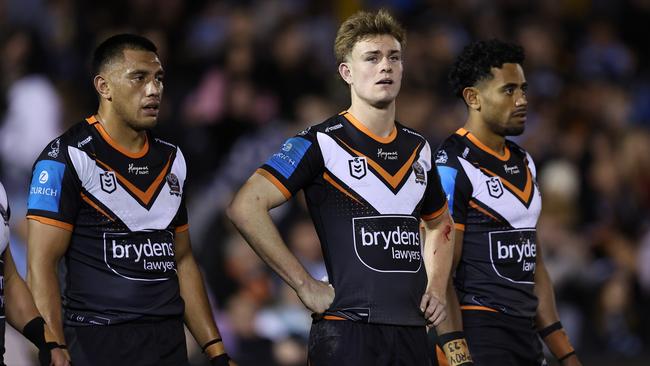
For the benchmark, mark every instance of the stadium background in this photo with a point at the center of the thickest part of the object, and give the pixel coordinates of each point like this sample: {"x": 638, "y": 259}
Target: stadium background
{"x": 241, "y": 76}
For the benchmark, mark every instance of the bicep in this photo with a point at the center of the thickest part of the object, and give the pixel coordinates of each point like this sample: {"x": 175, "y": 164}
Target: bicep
{"x": 46, "y": 244}
{"x": 258, "y": 189}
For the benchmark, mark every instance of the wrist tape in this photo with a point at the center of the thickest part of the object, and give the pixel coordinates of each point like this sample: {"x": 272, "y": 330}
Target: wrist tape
{"x": 455, "y": 348}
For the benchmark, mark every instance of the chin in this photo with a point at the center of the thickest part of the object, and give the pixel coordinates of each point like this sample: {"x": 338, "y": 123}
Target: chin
{"x": 514, "y": 131}
{"x": 144, "y": 124}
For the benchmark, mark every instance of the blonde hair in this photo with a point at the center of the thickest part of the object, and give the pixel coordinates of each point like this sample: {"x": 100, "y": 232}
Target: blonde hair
{"x": 364, "y": 24}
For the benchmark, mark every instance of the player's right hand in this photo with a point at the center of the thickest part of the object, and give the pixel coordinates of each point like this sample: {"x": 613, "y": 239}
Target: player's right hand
{"x": 317, "y": 296}
{"x": 58, "y": 358}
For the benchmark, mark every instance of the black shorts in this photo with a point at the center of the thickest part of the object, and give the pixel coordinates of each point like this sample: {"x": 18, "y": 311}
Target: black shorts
{"x": 348, "y": 343}
{"x": 496, "y": 338}
{"x": 136, "y": 343}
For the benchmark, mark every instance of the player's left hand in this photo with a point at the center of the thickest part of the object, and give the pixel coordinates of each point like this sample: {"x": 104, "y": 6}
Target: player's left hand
{"x": 433, "y": 308}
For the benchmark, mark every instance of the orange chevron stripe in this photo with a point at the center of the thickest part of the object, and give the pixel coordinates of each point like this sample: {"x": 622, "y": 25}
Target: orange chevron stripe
{"x": 523, "y": 195}
{"x": 484, "y": 211}
{"x": 393, "y": 180}
{"x": 331, "y": 181}
{"x": 96, "y": 207}
{"x": 144, "y": 196}
{"x": 503, "y": 157}
{"x": 361, "y": 127}
{"x": 92, "y": 120}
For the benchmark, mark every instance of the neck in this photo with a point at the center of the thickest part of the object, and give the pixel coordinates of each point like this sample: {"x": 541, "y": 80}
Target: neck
{"x": 125, "y": 136}
{"x": 482, "y": 132}
{"x": 380, "y": 121}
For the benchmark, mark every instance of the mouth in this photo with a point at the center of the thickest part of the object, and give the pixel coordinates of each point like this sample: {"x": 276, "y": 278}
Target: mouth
{"x": 520, "y": 114}
{"x": 386, "y": 81}
{"x": 151, "y": 109}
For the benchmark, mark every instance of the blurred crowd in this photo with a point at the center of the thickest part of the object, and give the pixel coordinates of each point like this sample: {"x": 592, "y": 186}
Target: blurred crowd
{"x": 243, "y": 75}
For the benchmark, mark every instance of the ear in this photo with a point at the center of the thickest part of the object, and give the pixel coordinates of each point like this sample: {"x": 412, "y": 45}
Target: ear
{"x": 472, "y": 98}
{"x": 345, "y": 72}
{"x": 102, "y": 87}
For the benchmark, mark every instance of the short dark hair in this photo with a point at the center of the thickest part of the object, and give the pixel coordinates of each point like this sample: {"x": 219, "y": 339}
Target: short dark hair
{"x": 114, "y": 47}
{"x": 476, "y": 61}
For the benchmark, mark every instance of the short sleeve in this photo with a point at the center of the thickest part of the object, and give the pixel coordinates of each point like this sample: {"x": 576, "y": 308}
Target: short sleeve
{"x": 296, "y": 165}
{"x": 435, "y": 202}
{"x": 54, "y": 191}
{"x": 455, "y": 184}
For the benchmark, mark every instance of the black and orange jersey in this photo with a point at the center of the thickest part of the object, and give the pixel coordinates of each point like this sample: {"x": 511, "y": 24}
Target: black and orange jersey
{"x": 495, "y": 200}
{"x": 123, "y": 210}
{"x": 366, "y": 195}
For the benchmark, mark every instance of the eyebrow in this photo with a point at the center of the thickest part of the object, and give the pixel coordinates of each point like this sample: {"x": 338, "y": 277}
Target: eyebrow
{"x": 522, "y": 85}
{"x": 377, "y": 52}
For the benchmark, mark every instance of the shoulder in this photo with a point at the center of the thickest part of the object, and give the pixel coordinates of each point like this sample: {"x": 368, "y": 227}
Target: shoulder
{"x": 77, "y": 136}
{"x": 329, "y": 126}
{"x": 451, "y": 149}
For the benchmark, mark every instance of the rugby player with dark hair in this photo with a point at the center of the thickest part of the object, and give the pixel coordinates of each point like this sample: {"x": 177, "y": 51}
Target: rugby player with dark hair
{"x": 110, "y": 197}
{"x": 368, "y": 181}
{"x": 503, "y": 289}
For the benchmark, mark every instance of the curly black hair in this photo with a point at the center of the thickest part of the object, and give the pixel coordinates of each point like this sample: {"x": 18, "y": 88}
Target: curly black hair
{"x": 476, "y": 61}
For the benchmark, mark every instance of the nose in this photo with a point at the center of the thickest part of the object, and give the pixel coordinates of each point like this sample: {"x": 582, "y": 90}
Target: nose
{"x": 521, "y": 100}
{"x": 154, "y": 88}
{"x": 386, "y": 65}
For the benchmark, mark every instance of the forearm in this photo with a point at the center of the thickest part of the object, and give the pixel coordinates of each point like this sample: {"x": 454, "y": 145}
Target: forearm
{"x": 198, "y": 314}
{"x": 454, "y": 321}
{"x": 19, "y": 305}
{"x": 44, "y": 286}
{"x": 546, "y": 308}
{"x": 254, "y": 223}
{"x": 438, "y": 255}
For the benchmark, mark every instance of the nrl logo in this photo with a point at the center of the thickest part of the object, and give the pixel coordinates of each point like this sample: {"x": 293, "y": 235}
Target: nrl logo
{"x": 108, "y": 182}
{"x": 358, "y": 167}
{"x": 495, "y": 188}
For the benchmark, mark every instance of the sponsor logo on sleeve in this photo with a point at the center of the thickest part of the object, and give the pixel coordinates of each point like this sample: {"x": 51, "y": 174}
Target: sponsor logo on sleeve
{"x": 513, "y": 254}
{"x": 495, "y": 187}
{"x": 441, "y": 157}
{"x": 45, "y": 188}
{"x": 141, "y": 256}
{"x": 54, "y": 149}
{"x": 388, "y": 243}
{"x": 286, "y": 161}
{"x": 108, "y": 182}
{"x": 358, "y": 167}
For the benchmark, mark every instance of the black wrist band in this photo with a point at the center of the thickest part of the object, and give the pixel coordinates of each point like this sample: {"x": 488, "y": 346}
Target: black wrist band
{"x": 221, "y": 360}
{"x": 209, "y": 343}
{"x": 550, "y": 329}
{"x": 62, "y": 346}
{"x": 444, "y": 338}
{"x": 566, "y": 356}
{"x": 34, "y": 330}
